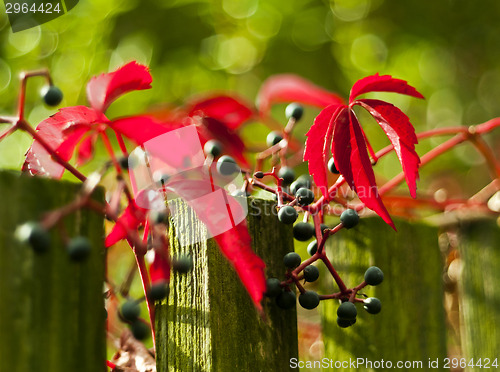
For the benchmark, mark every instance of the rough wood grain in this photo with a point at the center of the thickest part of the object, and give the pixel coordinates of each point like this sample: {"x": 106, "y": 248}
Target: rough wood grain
{"x": 479, "y": 287}
{"x": 51, "y": 310}
{"x": 209, "y": 322}
{"x": 411, "y": 325}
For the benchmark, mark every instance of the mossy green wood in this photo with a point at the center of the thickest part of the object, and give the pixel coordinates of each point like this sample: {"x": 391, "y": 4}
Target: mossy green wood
{"x": 52, "y": 310}
{"x": 411, "y": 326}
{"x": 480, "y": 291}
{"x": 209, "y": 322}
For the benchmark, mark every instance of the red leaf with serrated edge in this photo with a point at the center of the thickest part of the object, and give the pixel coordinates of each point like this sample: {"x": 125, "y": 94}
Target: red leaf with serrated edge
{"x": 102, "y": 90}
{"x": 318, "y": 142}
{"x": 235, "y": 244}
{"x": 292, "y": 88}
{"x": 62, "y": 131}
{"x": 382, "y": 83}
{"x": 228, "y": 110}
{"x": 132, "y": 217}
{"x": 363, "y": 179}
{"x": 401, "y": 133}
{"x": 142, "y": 128}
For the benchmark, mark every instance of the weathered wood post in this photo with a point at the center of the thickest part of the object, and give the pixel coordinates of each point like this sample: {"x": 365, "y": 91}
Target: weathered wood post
{"x": 209, "y": 323}
{"x": 411, "y": 326}
{"x": 479, "y": 291}
{"x": 51, "y": 309}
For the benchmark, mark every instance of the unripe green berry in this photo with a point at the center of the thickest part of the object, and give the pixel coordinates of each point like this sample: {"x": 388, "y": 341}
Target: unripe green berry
{"x": 292, "y": 260}
{"x": 309, "y": 300}
{"x": 79, "y": 248}
{"x": 287, "y": 215}
{"x": 294, "y": 110}
{"x": 347, "y": 310}
{"x": 372, "y": 305}
{"x": 52, "y": 95}
{"x": 304, "y": 196}
{"x": 374, "y": 276}
{"x": 303, "y": 231}
{"x": 311, "y": 273}
{"x": 286, "y": 300}
{"x": 349, "y": 218}
{"x": 273, "y": 287}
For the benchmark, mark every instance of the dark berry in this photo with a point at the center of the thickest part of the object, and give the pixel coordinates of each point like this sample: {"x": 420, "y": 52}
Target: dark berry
{"x": 212, "y": 148}
{"x": 157, "y": 217}
{"x": 292, "y": 260}
{"x": 52, "y": 95}
{"x": 304, "y": 196}
{"x": 139, "y": 329}
{"x": 124, "y": 163}
{"x": 158, "y": 291}
{"x": 273, "y": 138}
{"x": 372, "y": 305}
{"x": 344, "y": 323}
{"x": 323, "y": 227}
{"x": 130, "y": 311}
{"x": 79, "y": 248}
{"x": 258, "y": 174}
{"x": 374, "y": 276}
{"x": 294, "y": 110}
{"x": 288, "y": 175}
{"x": 349, "y": 218}
{"x": 226, "y": 166}
{"x": 347, "y": 310}
{"x": 331, "y": 166}
{"x": 312, "y": 247}
{"x": 287, "y": 215}
{"x": 286, "y": 300}
{"x": 311, "y": 273}
{"x": 273, "y": 287}
{"x": 303, "y": 231}
{"x": 182, "y": 264}
{"x": 309, "y": 300}
{"x": 35, "y": 235}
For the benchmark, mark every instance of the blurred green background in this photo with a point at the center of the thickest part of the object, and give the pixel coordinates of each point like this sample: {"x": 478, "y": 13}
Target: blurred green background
{"x": 449, "y": 50}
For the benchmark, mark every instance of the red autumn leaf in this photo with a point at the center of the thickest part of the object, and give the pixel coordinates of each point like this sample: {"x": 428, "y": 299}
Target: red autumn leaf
{"x": 142, "y": 128}
{"x": 228, "y": 110}
{"x": 290, "y": 88}
{"x": 102, "y": 90}
{"x": 132, "y": 217}
{"x": 349, "y": 145}
{"x": 62, "y": 132}
{"x": 382, "y": 83}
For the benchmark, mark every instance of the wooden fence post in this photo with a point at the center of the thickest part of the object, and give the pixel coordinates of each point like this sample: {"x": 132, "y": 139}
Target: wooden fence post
{"x": 51, "y": 309}
{"x": 479, "y": 291}
{"x": 411, "y": 326}
{"x": 208, "y": 322}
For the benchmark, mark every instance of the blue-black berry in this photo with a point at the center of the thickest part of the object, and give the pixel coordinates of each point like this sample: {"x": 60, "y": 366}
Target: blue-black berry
{"x": 258, "y": 174}
{"x": 301, "y": 181}
{"x": 52, "y": 95}
{"x": 158, "y": 291}
{"x": 294, "y": 110}
{"x": 331, "y": 166}
{"x": 303, "y": 231}
{"x": 374, "y": 276}
{"x": 79, "y": 248}
{"x": 35, "y": 235}
{"x": 344, "y": 323}
{"x": 212, "y": 148}
{"x": 304, "y": 196}
{"x": 311, "y": 273}
{"x": 292, "y": 260}
{"x": 349, "y": 218}
{"x": 130, "y": 311}
{"x": 372, "y": 305}
{"x": 226, "y": 166}
{"x": 309, "y": 300}
{"x": 273, "y": 287}
{"x": 287, "y": 215}
{"x": 286, "y": 300}
{"x": 347, "y": 310}
{"x": 182, "y": 264}
{"x": 312, "y": 247}
{"x": 273, "y": 138}
{"x": 288, "y": 175}
{"x": 140, "y": 330}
